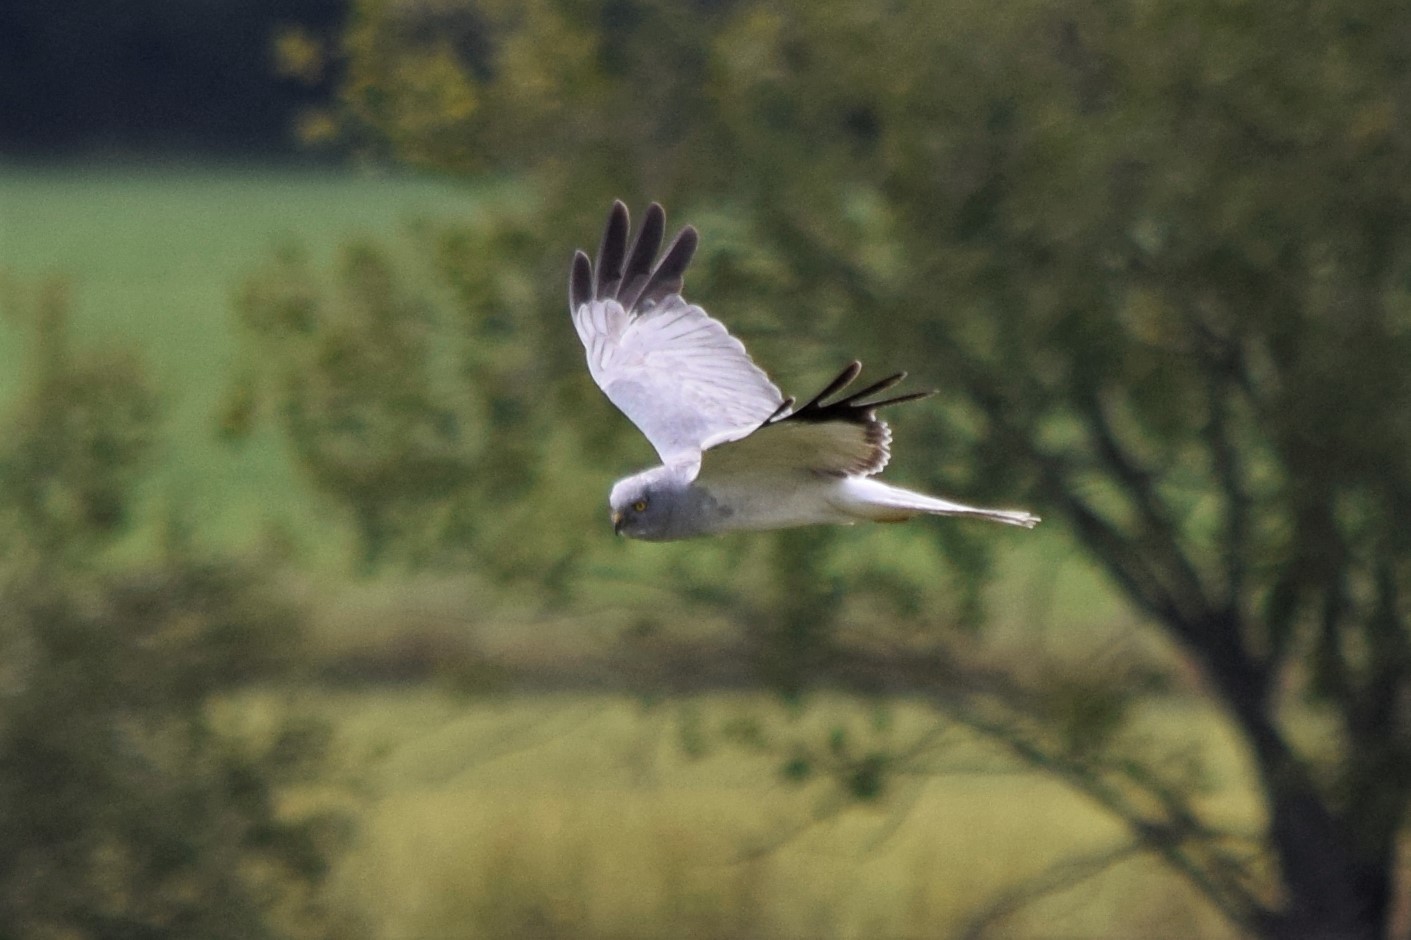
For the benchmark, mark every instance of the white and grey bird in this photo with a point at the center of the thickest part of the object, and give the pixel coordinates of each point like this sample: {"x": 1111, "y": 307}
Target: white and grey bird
{"x": 736, "y": 455}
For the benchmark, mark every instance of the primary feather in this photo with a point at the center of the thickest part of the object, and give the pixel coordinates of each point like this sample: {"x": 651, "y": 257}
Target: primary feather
{"x": 675, "y": 371}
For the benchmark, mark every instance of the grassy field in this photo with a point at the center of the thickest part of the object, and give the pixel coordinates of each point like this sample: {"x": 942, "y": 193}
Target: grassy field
{"x": 588, "y": 814}
{"x": 601, "y": 816}
{"x": 154, "y": 255}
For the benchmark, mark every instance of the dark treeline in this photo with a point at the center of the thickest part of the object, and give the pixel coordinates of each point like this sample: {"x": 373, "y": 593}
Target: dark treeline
{"x": 183, "y": 76}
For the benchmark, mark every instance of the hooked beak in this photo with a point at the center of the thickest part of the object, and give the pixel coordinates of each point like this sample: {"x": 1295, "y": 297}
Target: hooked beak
{"x": 617, "y": 523}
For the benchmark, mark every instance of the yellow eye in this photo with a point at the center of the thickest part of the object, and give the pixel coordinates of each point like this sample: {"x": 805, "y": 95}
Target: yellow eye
{"x": 639, "y": 506}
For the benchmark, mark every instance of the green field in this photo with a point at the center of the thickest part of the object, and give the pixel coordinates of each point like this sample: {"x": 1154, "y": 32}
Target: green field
{"x": 154, "y": 256}
{"x": 591, "y": 814}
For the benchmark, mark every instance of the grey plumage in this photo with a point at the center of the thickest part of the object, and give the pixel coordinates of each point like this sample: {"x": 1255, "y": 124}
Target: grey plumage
{"x": 736, "y": 454}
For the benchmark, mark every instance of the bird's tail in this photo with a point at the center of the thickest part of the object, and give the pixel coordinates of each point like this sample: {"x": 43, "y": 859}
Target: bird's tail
{"x": 880, "y": 502}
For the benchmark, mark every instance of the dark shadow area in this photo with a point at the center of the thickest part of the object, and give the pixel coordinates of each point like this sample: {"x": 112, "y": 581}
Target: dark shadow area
{"x": 152, "y": 77}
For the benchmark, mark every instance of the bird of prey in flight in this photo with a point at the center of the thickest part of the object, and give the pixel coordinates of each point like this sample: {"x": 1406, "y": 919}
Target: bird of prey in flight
{"x": 736, "y": 455}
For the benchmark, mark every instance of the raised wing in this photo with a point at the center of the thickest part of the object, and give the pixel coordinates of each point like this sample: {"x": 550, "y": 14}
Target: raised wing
{"x": 673, "y": 369}
{"x": 833, "y": 438}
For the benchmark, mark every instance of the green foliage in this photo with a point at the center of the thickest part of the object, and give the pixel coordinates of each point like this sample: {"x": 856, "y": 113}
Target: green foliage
{"x": 796, "y": 769}
{"x": 78, "y": 440}
{"x": 124, "y": 812}
{"x": 417, "y": 398}
{"x": 359, "y": 392}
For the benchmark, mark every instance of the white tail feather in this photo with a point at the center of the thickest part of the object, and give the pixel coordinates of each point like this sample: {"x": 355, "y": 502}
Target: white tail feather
{"x": 880, "y": 502}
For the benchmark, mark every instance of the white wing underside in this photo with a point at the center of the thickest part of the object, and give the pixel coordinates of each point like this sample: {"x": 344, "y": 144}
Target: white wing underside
{"x": 817, "y": 448}
{"x": 676, "y": 372}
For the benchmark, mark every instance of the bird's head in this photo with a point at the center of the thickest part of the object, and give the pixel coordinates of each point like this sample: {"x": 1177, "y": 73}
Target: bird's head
{"x": 643, "y": 506}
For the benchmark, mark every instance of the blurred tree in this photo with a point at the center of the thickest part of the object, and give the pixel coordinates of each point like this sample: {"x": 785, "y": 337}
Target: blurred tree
{"x": 126, "y": 813}
{"x": 79, "y": 440}
{"x": 358, "y": 391}
{"x": 1162, "y": 254}
{"x": 123, "y": 810}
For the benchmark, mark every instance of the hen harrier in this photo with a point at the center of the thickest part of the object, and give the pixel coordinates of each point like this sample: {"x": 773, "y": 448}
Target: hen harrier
{"x": 736, "y": 455}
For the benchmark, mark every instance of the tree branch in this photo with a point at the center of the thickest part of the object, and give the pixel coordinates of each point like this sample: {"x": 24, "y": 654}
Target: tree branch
{"x": 1230, "y": 475}
{"x": 1162, "y": 538}
{"x": 1130, "y": 569}
{"x": 1061, "y": 876}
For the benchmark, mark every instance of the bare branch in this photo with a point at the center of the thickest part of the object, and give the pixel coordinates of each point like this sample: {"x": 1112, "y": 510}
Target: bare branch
{"x": 1130, "y": 569}
{"x": 1061, "y": 876}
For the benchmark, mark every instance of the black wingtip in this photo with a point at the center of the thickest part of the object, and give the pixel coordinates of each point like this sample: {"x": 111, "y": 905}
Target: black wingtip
{"x": 852, "y": 407}
{"x": 580, "y": 280}
{"x": 845, "y": 378}
{"x": 670, "y": 275}
{"x": 897, "y": 400}
{"x": 612, "y": 252}
{"x": 783, "y": 409}
{"x": 637, "y": 273}
{"x": 633, "y": 276}
{"x": 873, "y": 389}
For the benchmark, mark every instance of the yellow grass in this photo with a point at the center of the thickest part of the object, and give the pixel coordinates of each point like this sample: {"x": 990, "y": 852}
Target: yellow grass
{"x": 599, "y": 816}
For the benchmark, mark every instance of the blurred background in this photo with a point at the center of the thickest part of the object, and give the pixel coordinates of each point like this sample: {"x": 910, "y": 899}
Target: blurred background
{"x": 313, "y": 621}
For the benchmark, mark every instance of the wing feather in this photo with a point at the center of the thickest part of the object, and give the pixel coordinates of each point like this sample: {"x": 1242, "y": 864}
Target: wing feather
{"x": 612, "y": 250}
{"x": 674, "y": 370}
{"x": 843, "y": 437}
{"x": 580, "y": 281}
{"x": 644, "y": 254}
